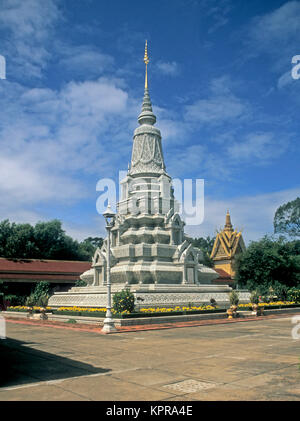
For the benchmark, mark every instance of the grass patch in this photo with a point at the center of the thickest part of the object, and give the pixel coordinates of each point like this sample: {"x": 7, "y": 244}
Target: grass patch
{"x": 71, "y": 321}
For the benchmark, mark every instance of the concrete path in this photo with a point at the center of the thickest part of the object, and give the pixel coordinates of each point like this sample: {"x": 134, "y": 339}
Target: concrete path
{"x": 257, "y": 360}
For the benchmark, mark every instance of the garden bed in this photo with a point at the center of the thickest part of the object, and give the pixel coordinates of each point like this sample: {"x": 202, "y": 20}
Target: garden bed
{"x": 135, "y": 315}
{"x": 268, "y": 307}
{"x": 96, "y": 313}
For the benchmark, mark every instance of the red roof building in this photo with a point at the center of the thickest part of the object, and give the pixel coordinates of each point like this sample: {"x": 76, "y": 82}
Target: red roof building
{"x": 35, "y": 270}
{"x": 224, "y": 278}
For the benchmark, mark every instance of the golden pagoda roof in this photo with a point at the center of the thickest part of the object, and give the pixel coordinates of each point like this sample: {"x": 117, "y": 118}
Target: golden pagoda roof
{"x": 227, "y": 241}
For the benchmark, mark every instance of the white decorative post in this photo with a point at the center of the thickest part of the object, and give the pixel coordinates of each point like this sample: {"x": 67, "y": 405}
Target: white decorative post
{"x": 108, "y": 324}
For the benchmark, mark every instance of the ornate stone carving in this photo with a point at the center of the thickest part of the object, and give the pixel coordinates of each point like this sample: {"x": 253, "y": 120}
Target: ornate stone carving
{"x": 146, "y": 154}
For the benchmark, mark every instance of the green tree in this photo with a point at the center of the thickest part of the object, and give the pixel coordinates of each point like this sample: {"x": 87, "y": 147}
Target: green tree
{"x": 46, "y": 240}
{"x": 17, "y": 240}
{"x": 206, "y": 246}
{"x": 269, "y": 262}
{"x": 5, "y": 230}
{"x": 89, "y": 246}
{"x": 3, "y": 288}
{"x": 287, "y": 219}
{"x": 41, "y": 289}
{"x": 53, "y": 243}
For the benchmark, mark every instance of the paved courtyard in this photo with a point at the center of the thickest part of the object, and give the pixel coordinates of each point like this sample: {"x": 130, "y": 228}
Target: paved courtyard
{"x": 256, "y": 360}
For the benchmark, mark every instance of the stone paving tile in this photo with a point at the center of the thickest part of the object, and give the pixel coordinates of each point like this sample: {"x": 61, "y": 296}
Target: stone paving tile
{"x": 180, "y": 398}
{"x": 149, "y": 377}
{"x": 263, "y": 365}
{"x": 198, "y": 371}
{"x": 224, "y": 393}
{"x": 40, "y": 393}
{"x": 288, "y": 377}
{"x": 245, "y": 356}
{"x": 266, "y": 380}
{"x": 157, "y": 357}
{"x": 110, "y": 388}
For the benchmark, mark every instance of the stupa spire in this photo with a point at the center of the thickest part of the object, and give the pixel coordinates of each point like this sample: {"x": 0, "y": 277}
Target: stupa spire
{"x": 147, "y": 154}
{"x": 146, "y": 116}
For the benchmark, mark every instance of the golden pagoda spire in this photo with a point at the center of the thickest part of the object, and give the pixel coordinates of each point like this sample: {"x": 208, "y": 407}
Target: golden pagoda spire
{"x": 228, "y": 225}
{"x": 146, "y": 61}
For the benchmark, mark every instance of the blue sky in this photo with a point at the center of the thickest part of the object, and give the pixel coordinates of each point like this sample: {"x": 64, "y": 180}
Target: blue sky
{"x": 221, "y": 87}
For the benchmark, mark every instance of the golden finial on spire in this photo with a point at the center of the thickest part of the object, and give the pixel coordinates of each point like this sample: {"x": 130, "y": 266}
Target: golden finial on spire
{"x": 146, "y": 61}
{"x": 228, "y": 225}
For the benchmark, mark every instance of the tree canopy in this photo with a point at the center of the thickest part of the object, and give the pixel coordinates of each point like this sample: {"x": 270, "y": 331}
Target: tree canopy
{"x": 269, "y": 262}
{"x": 287, "y": 219}
{"x": 206, "y": 246}
{"x": 45, "y": 240}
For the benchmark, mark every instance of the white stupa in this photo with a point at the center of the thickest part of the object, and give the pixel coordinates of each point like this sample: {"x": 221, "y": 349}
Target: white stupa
{"x": 150, "y": 253}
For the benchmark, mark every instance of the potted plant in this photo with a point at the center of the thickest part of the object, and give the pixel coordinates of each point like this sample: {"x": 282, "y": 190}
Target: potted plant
{"x": 30, "y": 302}
{"x": 254, "y": 299}
{"x": 234, "y": 301}
{"x": 261, "y": 307}
{"x": 271, "y": 294}
{"x": 230, "y": 313}
{"x": 42, "y": 302}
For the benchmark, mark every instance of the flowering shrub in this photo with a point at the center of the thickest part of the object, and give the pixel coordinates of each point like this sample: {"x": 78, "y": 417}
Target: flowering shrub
{"x": 93, "y": 311}
{"x": 273, "y": 303}
{"x": 26, "y": 308}
{"x": 294, "y": 294}
{"x": 82, "y": 309}
{"x": 123, "y": 301}
{"x": 178, "y": 308}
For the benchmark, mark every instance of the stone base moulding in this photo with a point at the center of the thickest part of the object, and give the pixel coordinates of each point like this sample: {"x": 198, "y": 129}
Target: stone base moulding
{"x": 151, "y": 295}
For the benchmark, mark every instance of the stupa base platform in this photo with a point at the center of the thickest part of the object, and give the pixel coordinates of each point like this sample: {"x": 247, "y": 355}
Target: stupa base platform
{"x": 150, "y": 295}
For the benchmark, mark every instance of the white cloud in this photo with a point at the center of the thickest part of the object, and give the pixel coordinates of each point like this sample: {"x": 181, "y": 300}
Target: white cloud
{"x": 84, "y": 61}
{"x": 57, "y": 137}
{"x": 251, "y": 214}
{"x": 168, "y": 68}
{"x": 285, "y": 80}
{"x": 22, "y": 183}
{"x": 91, "y": 227}
{"x": 221, "y": 106}
{"x": 279, "y": 27}
{"x": 187, "y": 160}
{"x": 260, "y": 147}
{"x": 218, "y": 11}
{"x": 276, "y": 34}
{"x": 28, "y": 25}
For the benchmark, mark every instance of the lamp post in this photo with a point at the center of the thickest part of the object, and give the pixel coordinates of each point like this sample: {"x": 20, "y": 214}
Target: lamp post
{"x": 108, "y": 324}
